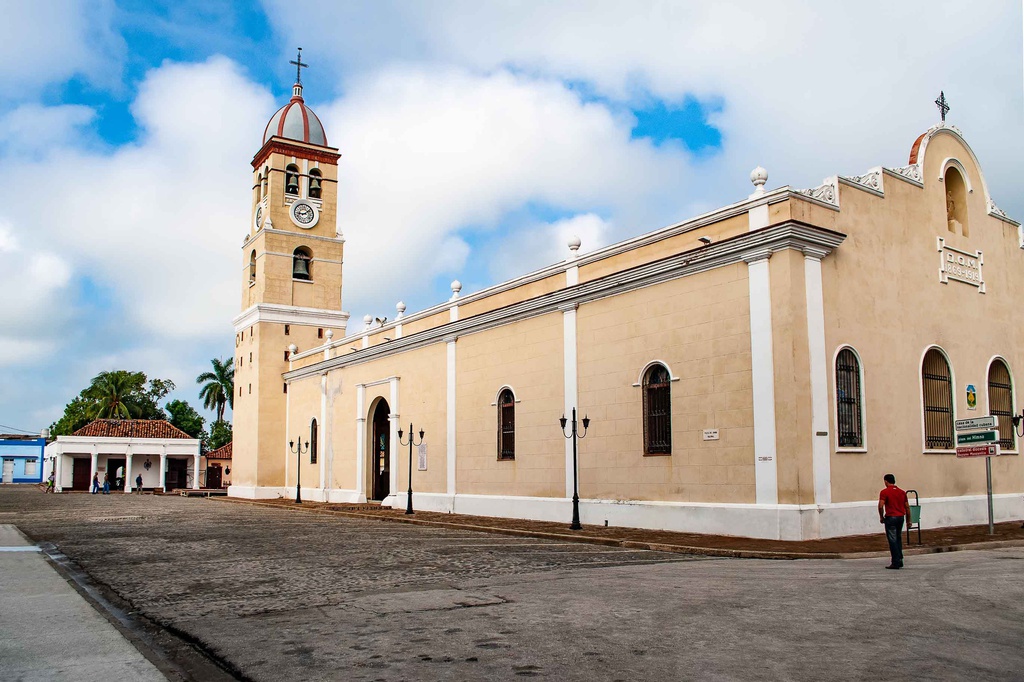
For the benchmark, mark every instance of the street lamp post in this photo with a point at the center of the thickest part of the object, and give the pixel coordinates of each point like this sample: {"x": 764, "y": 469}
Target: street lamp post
{"x": 408, "y": 504}
{"x": 575, "y": 435}
{"x": 298, "y": 449}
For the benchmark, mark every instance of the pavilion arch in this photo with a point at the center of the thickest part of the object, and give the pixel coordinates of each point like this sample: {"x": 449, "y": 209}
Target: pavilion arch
{"x": 937, "y": 383}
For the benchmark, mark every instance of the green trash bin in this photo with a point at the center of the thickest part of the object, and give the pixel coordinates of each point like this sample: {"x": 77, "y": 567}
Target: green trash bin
{"x": 915, "y": 517}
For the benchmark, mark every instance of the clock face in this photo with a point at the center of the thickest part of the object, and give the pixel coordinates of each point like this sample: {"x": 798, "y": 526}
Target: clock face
{"x": 304, "y": 214}
{"x": 259, "y": 217}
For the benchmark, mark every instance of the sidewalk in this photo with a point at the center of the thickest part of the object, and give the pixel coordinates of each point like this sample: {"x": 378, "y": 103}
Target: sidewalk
{"x": 48, "y": 631}
{"x": 1007, "y": 534}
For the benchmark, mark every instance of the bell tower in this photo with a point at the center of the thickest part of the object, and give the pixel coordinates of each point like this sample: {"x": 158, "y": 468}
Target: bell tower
{"x": 291, "y": 285}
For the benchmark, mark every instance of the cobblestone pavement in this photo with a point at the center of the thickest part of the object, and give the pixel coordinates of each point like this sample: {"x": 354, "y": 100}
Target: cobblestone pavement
{"x": 282, "y": 595}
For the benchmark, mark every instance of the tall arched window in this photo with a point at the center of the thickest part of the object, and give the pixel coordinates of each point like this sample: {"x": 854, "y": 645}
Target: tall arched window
{"x": 849, "y": 422}
{"x": 937, "y": 388}
{"x": 506, "y": 425}
{"x": 657, "y": 411}
{"x": 266, "y": 177}
{"x": 312, "y": 442}
{"x": 315, "y": 182}
{"x": 259, "y": 188}
{"x": 1000, "y": 402}
{"x": 956, "y": 201}
{"x": 291, "y": 179}
{"x": 252, "y": 267}
{"x": 302, "y": 264}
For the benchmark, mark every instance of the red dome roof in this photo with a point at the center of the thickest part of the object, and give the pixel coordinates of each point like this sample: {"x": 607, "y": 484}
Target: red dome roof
{"x": 296, "y": 121}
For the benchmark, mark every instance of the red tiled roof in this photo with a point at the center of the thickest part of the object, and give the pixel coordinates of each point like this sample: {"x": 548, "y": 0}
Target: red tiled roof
{"x": 131, "y": 428}
{"x": 223, "y": 452}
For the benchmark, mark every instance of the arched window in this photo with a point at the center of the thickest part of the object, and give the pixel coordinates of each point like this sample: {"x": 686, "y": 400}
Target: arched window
{"x": 937, "y": 388}
{"x": 849, "y": 422}
{"x": 657, "y": 411}
{"x": 259, "y": 188}
{"x": 266, "y": 176}
{"x": 506, "y": 425}
{"x": 315, "y": 182}
{"x": 302, "y": 264}
{"x": 252, "y": 267}
{"x": 312, "y": 442}
{"x": 1000, "y": 402}
{"x": 291, "y": 179}
{"x": 956, "y": 201}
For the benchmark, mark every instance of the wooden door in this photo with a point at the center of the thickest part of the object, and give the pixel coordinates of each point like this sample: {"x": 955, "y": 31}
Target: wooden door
{"x": 380, "y": 452}
{"x": 81, "y": 473}
{"x": 213, "y": 476}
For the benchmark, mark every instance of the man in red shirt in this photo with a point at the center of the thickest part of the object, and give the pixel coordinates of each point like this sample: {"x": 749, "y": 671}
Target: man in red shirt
{"x": 893, "y": 507}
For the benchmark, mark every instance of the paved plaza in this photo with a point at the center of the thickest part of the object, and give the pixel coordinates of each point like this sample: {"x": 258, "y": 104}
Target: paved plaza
{"x": 277, "y": 594}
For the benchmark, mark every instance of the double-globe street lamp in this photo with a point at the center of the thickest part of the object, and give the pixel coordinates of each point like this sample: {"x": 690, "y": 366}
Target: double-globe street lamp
{"x": 298, "y": 449}
{"x": 408, "y": 504}
{"x": 575, "y": 435}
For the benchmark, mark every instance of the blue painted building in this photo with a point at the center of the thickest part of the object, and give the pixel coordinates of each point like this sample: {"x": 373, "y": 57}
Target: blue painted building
{"x": 22, "y": 459}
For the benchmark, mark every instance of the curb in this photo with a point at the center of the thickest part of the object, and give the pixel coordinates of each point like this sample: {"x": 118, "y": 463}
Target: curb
{"x": 633, "y": 544}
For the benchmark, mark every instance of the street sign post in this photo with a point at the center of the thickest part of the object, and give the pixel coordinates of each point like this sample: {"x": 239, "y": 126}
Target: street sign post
{"x": 977, "y": 423}
{"x": 982, "y": 440}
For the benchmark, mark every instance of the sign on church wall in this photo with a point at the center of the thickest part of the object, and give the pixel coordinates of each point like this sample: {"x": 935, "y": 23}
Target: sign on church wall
{"x": 960, "y": 266}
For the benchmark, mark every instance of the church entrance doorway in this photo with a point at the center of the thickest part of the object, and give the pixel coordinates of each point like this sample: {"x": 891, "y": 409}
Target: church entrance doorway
{"x": 213, "y": 476}
{"x": 380, "y": 448}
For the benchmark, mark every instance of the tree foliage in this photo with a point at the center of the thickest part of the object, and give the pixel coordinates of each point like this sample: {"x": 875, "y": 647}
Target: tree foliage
{"x": 218, "y": 387}
{"x": 185, "y": 417}
{"x": 220, "y": 434}
{"x": 117, "y": 394}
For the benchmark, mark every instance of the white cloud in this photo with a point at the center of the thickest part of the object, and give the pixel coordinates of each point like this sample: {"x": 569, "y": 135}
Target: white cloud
{"x": 44, "y": 42}
{"x": 34, "y": 128}
{"x": 530, "y": 247}
{"x": 431, "y": 154}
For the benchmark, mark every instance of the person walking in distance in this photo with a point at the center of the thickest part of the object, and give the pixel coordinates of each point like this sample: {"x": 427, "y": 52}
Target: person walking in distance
{"x": 893, "y": 508}
{"x": 106, "y": 484}
{"x": 138, "y": 484}
{"x": 95, "y": 483}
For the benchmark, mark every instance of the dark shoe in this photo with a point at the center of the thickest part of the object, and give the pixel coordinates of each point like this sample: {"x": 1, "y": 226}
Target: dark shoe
{"x": 893, "y": 566}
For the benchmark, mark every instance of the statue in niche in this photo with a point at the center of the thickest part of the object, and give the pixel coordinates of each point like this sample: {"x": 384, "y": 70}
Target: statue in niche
{"x": 951, "y": 222}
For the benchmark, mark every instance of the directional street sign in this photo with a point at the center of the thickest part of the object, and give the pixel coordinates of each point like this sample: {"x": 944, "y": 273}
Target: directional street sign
{"x": 977, "y": 451}
{"x": 975, "y": 423}
{"x": 977, "y": 437}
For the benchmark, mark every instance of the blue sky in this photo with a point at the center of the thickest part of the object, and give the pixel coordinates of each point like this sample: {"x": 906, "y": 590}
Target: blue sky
{"x": 475, "y": 139}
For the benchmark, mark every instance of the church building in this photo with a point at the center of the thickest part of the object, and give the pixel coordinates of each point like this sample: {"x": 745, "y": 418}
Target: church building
{"x": 751, "y": 371}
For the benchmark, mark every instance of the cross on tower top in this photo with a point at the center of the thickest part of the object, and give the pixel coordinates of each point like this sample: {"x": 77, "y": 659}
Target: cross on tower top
{"x": 942, "y": 104}
{"x": 299, "y": 66}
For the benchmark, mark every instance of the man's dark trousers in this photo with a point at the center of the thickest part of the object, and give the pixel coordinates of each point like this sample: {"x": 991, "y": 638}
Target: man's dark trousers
{"x": 894, "y": 534}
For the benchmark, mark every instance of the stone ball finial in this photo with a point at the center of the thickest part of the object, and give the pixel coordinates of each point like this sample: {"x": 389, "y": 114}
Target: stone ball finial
{"x": 759, "y": 176}
{"x": 367, "y": 320}
{"x": 574, "y": 243}
{"x": 292, "y": 349}
{"x": 330, "y": 334}
{"x": 456, "y": 287}
{"x": 400, "y": 308}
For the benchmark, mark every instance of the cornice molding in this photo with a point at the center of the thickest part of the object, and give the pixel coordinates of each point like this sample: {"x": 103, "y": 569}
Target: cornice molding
{"x": 292, "y": 148}
{"x": 298, "y": 235}
{"x": 286, "y": 314}
{"x": 763, "y": 242}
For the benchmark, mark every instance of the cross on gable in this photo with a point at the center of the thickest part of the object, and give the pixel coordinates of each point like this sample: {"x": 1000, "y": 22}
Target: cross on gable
{"x": 299, "y": 66}
{"x": 942, "y": 104}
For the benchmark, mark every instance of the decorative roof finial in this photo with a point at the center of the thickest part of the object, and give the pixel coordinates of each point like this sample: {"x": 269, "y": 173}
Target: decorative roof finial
{"x": 942, "y": 104}
{"x": 298, "y": 67}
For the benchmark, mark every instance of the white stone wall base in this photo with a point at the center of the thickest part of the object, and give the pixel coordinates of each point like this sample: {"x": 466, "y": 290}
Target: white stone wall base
{"x": 772, "y": 522}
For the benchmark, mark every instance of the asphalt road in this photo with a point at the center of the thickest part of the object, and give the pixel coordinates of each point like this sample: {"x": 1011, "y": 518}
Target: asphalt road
{"x": 283, "y": 595}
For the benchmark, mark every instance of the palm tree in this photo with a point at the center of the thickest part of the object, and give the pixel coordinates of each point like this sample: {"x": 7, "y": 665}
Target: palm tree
{"x": 108, "y": 395}
{"x": 218, "y": 386}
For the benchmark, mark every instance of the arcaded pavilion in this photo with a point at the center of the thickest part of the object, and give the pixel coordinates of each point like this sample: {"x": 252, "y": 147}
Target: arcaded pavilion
{"x": 751, "y": 371}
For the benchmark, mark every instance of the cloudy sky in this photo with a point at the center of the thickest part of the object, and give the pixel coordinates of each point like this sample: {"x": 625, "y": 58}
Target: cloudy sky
{"x": 475, "y": 139}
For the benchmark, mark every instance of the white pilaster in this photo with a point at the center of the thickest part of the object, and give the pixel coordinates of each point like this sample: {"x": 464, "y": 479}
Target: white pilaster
{"x": 163, "y": 468}
{"x": 128, "y": 481}
{"x": 361, "y": 442}
{"x": 820, "y": 451}
{"x": 450, "y": 438}
{"x": 321, "y": 429}
{"x": 58, "y": 470}
{"x": 287, "y": 432}
{"x": 195, "y": 471}
{"x": 95, "y": 466}
{"x": 763, "y": 380}
{"x": 570, "y": 383}
{"x": 395, "y": 416}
